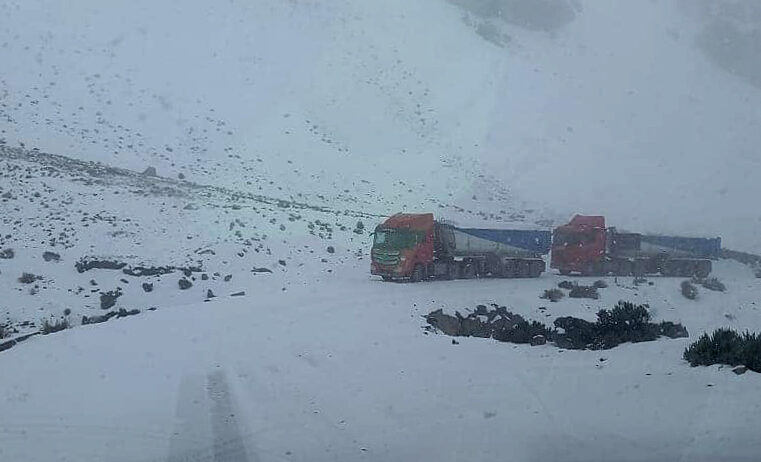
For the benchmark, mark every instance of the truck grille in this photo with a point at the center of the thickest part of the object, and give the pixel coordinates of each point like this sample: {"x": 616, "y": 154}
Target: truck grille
{"x": 386, "y": 257}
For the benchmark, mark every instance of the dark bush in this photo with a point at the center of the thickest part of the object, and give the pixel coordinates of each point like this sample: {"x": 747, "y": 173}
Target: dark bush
{"x": 567, "y": 285}
{"x": 28, "y": 278}
{"x": 552, "y": 295}
{"x": 626, "y": 322}
{"x": 726, "y": 346}
{"x": 577, "y": 334}
{"x": 584, "y": 292}
{"x": 600, "y": 284}
{"x": 49, "y": 327}
{"x": 689, "y": 291}
{"x": 7, "y": 254}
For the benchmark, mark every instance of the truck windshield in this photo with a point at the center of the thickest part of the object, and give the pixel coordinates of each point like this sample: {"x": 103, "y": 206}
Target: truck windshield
{"x": 396, "y": 239}
{"x": 565, "y": 238}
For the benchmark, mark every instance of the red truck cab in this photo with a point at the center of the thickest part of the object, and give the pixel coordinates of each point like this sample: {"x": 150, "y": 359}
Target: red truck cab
{"x": 579, "y": 245}
{"x": 402, "y": 243}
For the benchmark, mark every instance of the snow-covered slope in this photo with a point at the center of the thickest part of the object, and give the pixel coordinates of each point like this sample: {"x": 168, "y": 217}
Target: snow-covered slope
{"x": 281, "y": 132}
{"x": 602, "y": 107}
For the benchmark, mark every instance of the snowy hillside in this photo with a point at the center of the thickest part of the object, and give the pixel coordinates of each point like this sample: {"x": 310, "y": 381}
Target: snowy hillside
{"x": 211, "y": 172}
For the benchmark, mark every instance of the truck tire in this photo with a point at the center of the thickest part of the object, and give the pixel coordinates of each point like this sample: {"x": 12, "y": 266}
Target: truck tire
{"x": 468, "y": 271}
{"x": 703, "y": 268}
{"x": 536, "y": 269}
{"x": 625, "y": 268}
{"x": 387, "y": 278}
{"x": 523, "y": 269}
{"x": 639, "y": 268}
{"x": 417, "y": 274}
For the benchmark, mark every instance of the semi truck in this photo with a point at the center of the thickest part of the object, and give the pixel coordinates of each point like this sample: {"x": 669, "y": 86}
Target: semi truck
{"x": 417, "y": 247}
{"x": 587, "y": 247}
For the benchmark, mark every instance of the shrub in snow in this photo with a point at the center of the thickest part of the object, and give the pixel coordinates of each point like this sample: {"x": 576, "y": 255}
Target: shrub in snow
{"x": 28, "y": 278}
{"x": 726, "y": 346}
{"x": 58, "y": 325}
{"x": 552, "y": 295}
{"x": 7, "y": 254}
{"x": 689, "y": 291}
{"x": 184, "y": 284}
{"x": 584, "y": 292}
{"x": 567, "y": 285}
{"x": 626, "y": 322}
{"x": 711, "y": 284}
{"x": 600, "y": 284}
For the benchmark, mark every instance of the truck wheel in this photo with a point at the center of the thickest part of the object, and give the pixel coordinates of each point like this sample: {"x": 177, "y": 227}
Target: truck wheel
{"x": 387, "y": 278}
{"x": 703, "y": 269}
{"x": 417, "y": 274}
{"x": 565, "y": 272}
{"x": 537, "y": 268}
{"x": 523, "y": 269}
{"x": 625, "y": 268}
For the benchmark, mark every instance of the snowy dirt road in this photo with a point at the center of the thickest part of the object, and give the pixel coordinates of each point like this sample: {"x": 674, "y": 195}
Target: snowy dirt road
{"x": 344, "y": 371}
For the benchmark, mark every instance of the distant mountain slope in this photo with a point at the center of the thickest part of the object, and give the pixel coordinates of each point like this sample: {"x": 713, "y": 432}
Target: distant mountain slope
{"x": 646, "y": 112}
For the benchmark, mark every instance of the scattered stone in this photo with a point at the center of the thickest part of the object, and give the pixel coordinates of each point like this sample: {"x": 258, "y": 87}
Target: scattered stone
{"x": 148, "y": 287}
{"x": 149, "y": 171}
{"x": 228, "y": 277}
{"x": 584, "y": 292}
{"x": 67, "y": 311}
{"x": 122, "y": 313}
{"x": 181, "y": 176}
{"x": 108, "y": 299}
{"x": 86, "y": 264}
{"x": 184, "y": 284}
{"x": 140, "y": 271}
{"x": 689, "y": 291}
{"x": 739, "y": 370}
{"x": 204, "y": 277}
{"x": 93, "y": 282}
{"x": 455, "y": 342}
{"x": 538, "y": 340}
{"x": 210, "y": 294}
{"x": 281, "y": 262}
{"x": 51, "y": 256}
{"x": 261, "y": 270}
{"x": 331, "y": 249}
{"x": 7, "y": 254}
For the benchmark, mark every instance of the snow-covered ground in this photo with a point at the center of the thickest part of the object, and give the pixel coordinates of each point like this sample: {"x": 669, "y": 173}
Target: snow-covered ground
{"x": 281, "y": 134}
{"x": 343, "y": 371}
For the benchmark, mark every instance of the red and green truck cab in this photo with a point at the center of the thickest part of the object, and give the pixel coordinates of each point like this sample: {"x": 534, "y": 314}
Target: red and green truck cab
{"x": 417, "y": 247}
